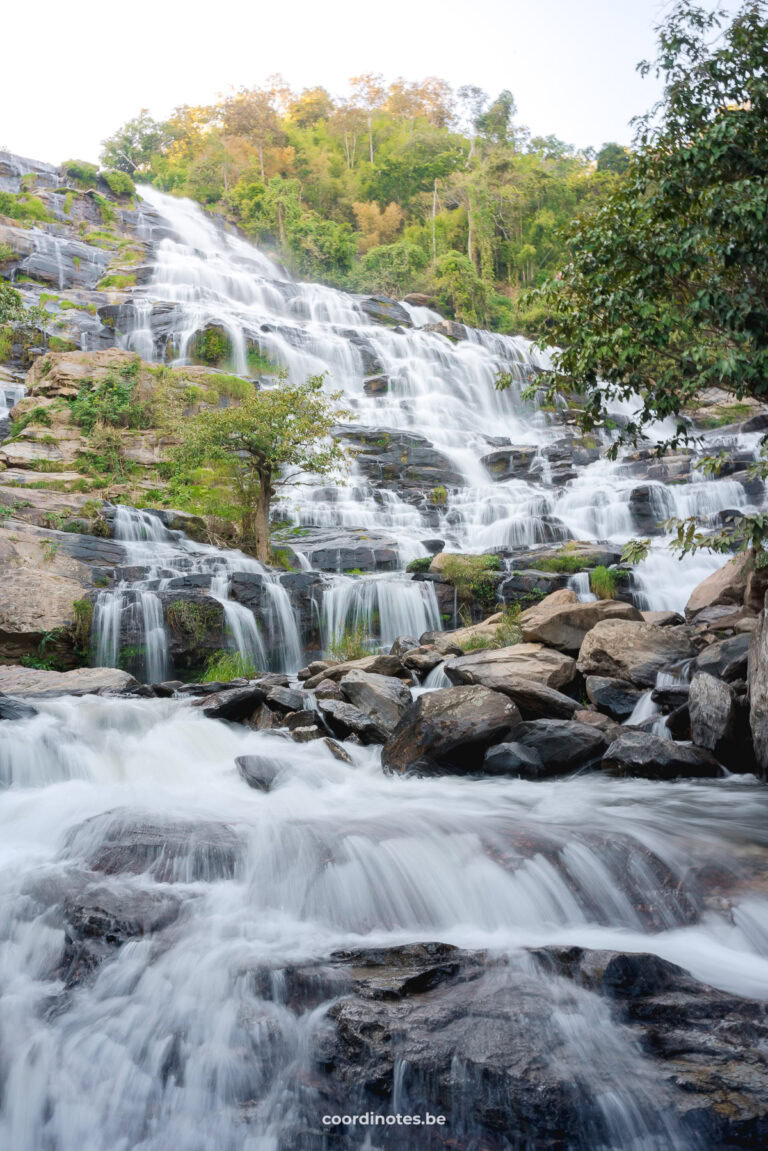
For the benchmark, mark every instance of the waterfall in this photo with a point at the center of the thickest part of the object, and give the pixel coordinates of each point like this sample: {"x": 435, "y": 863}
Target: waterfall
{"x": 383, "y": 608}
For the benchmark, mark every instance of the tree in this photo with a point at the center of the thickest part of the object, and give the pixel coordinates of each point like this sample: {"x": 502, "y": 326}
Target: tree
{"x": 269, "y": 439}
{"x": 133, "y": 145}
{"x": 392, "y": 268}
{"x": 496, "y": 123}
{"x": 252, "y": 114}
{"x": 612, "y": 158}
{"x": 368, "y": 92}
{"x": 666, "y": 290}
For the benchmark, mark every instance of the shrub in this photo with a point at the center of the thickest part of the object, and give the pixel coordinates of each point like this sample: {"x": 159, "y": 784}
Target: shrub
{"x": 352, "y": 643}
{"x": 23, "y": 206}
{"x": 472, "y": 576}
{"x": 603, "y": 582}
{"x": 224, "y": 666}
{"x": 83, "y": 609}
{"x": 81, "y": 171}
{"x": 438, "y": 495}
{"x": 112, "y": 402}
{"x": 420, "y": 564}
{"x": 192, "y": 619}
{"x": 119, "y": 183}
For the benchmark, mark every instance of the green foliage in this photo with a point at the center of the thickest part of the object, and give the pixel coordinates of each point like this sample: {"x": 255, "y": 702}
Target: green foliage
{"x": 83, "y": 611}
{"x": 193, "y": 620}
{"x": 461, "y": 291}
{"x": 472, "y": 576}
{"x": 119, "y": 183}
{"x": 224, "y": 666}
{"x": 81, "y": 171}
{"x": 12, "y": 310}
{"x": 283, "y": 558}
{"x": 635, "y": 551}
{"x": 392, "y": 268}
{"x": 420, "y": 564}
{"x": 33, "y": 416}
{"x": 666, "y": 289}
{"x": 603, "y": 582}
{"x": 6, "y": 253}
{"x": 212, "y": 346}
{"x": 613, "y": 158}
{"x": 56, "y": 344}
{"x": 112, "y": 401}
{"x": 118, "y": 280}
{"x": 438, "y": 495}
{"x": 23, "y": 206}
{"x": 352, "y": 643}
{"x": 564, "y": 562}
{"x": 266, "y": 440}
{"x": 508, "y": 632}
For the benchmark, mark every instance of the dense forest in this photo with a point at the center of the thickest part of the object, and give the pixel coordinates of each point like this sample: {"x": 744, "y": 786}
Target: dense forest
{"x": 400, "y": 188}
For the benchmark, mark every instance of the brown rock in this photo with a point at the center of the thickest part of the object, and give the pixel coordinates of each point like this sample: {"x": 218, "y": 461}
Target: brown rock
{"x": 636, "y": 651}
{"x": 564, "y": 625}
{"x": 500, "y": 666}
{"x": 725, "y": 586}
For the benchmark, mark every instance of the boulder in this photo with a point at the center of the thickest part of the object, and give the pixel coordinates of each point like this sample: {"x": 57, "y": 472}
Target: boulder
{"x": 616, "y": 697}
{"x": 286, "y": 699}
{"x": 402, "y": 644}
{"x": 635, "y": 651}
{"x": 327, "y": 689}
{"x": 306, "y": 734}
{"x": 562, "y": 745}
{"x": 377, "y": 664}
{"x": 258, "y": 771}
{"x": 726, "y": 659}
{"x": 596, "y": 719}
{"x": 234, "y": 704}
{"x": 531, "y": 661}
{"x": 383, "y": 698}
{"x": 514, "y": 760}
{"x": 11, "y": 708}
{"x": 758, "y": 692}
{"x": 757, "y": 586}
{"x": 344, "y": 719}
{"x": 564, "y": 625}
{"x": 663, "y": 618}
{"x": 725, "y": 586}
{"x": 638, "y": 753}
{"x": 449, "y": 731}
{"x": 712, "y": 708}
{"x": 422, "y": 660}
{"x": 82, "y": 681}
{"x": 337, "y": 751}
{"x": 535, "y": 700}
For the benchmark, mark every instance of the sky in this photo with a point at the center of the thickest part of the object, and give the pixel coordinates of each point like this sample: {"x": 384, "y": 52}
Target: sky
{"x": 89, "y": 65}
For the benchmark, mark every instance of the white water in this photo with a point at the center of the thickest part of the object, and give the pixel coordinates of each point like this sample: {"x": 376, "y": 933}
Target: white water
{"x": 438, "y": 389}
{"x": 334, "y": 857}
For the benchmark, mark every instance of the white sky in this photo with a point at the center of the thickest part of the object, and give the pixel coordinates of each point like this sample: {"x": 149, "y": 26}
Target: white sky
{"x": 74, "y": 70}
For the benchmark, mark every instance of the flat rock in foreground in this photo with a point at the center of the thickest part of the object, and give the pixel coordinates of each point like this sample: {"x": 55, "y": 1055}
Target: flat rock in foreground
{"x": 82, "y": 681}
{"x": 531, "y": 661}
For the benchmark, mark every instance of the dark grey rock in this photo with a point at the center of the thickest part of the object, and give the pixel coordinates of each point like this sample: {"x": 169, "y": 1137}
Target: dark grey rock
{"x": 614, "y": 697}
{"x": 642, "y": 754}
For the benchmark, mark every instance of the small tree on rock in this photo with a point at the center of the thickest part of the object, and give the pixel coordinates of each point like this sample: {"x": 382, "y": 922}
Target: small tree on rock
{"x": 266, "y": 441}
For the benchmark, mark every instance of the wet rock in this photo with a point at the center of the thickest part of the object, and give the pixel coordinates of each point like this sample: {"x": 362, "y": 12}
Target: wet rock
{"x": 376, "y": 386}
{"x": 596, "y": 719}
{"x": 402, "y": 644}
{"x": 383, "y": 698}
{"x": 337, "y": 751}
{"x": 564, "y": 625}
{"x": 376, "y": 664}
{"x": 726, "y": 659}
{"x": 234, "y": 704}
{"x": 650, "y": 505}
{"x": 449, "y": 731}
{"x": 561, "y": 745}
{"x": 295, "y": 719}
{"x": 616, "y": 697}
{"x": 422, "y": 660}
{"x": 635, "y": 651}
{"x": 285, "y": 699}
{"x": 383, "y": 310}
{"x": 506, "y": 665}
{"x": 758, "y": 692}
{"x": 663, "y": 618}
{"x": 327, "y": 689}
{"x": 306, "y": 734}
{"x": 170, "y": 850}
{"x": 514, "y": 760}
{"x": 725, "y": 586}
{"x": 712, "y": 707}
{"x": 670, "y": 698}
{"x": 258, "y": 771}
{"x": 344, "y": 719}
{"x": 679, "y": 723}
{"x": 12, "y": 709}
{"x": 513, "y": 463}
{"x": 82, "y": 681}
{"x": 340, "y": 549}
{"x": 642, "y": 754}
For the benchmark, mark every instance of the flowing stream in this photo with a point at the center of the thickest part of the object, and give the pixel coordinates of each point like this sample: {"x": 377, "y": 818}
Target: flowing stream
{"x": 183, "y": 1038}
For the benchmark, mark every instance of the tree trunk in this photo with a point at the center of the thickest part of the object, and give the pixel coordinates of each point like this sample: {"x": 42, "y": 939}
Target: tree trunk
{"x": 261, "y": 524}
{"x": 261, "y": 163}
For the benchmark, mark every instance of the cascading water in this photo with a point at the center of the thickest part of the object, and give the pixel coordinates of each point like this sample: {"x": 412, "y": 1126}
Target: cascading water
{"x": 194, "y": 1036}
{"x": 432, "y": 387}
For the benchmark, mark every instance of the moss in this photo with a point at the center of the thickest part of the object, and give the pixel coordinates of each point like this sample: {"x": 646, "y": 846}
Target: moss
{"x": 212, "y": 346}
{"x": 56, "y": 344}
{"x": 282, "y": 557}
{"x": 730, "y": 414}
{"x": 563, "y": 562}
{"x": 233, "y": 387}
{"x": 118, "y": 280}
{"x": 119, "y": 183}
{"x": 6, "y": 342}
{"x": 191, "y": 619}
{"x": 438, "y": 495}
{"x": 260, "y": 364}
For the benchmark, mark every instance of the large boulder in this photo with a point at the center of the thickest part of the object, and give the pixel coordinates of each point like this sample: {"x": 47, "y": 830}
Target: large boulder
{"x": 635, "y": 651}
{"x": 498, "y": 667}
{"x": 234, "y": 704}
{"x": 726, "y": 659}
{"x": 376, "y": 664}
{"x": 758, "y": 692}
{"x": 449, "y": 731}
{"x": 640, "y": 753}
{"x": 615, "y": 697}
{"x": 725, "y": 586}
{"x": 345, "y": 720}
{"x": 564, "y": 625}
{"x": 535, "y": 700}
{"x": 713, "y": 710}
{"x": 82, "y": 681}
{"x": 384, "y": 698}
{"x": 562, "y": 745}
